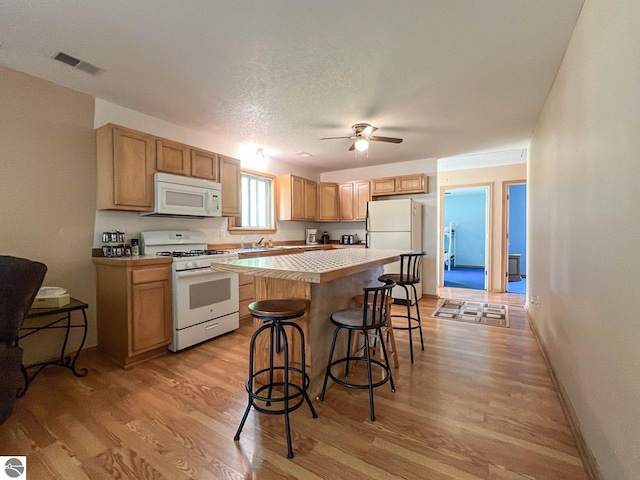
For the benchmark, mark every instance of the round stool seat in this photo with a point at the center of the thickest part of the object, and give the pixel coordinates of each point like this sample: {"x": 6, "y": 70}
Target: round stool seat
{"x": 277, "y": 309}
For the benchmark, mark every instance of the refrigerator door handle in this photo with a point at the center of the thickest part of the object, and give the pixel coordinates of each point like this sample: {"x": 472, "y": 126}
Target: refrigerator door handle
{"x": 367, "y": 239}
{"x": 366, "y": 223}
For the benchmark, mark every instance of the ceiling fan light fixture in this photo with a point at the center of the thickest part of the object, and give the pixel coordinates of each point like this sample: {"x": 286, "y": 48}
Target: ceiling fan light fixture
{"x": 362, "y": 144}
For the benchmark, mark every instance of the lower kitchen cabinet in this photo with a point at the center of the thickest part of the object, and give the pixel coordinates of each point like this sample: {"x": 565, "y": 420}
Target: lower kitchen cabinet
{"x": 133, "y": 309}
{"x": 246, "y": 297}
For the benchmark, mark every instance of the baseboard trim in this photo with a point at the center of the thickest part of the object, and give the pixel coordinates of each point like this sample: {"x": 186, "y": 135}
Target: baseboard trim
{"x": 586, "y": 455}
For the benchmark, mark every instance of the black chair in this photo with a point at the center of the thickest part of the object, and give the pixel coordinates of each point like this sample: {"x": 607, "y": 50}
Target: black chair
{"x": 409, "y": 276}
{"x": 20, "y": 280}
{"x": 371, "y": 318}
{"x": 275, "y": 379}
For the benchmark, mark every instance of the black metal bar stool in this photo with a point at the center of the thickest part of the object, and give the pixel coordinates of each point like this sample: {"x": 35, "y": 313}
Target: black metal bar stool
{"x": 386, "y": 331}
{"x": 409, "y": 276}
{"x": 278, "y": 389}
{"x": 371, "y": 318}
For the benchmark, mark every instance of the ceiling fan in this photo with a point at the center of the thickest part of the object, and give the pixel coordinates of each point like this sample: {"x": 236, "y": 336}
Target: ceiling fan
{"x": 362, "y": 134}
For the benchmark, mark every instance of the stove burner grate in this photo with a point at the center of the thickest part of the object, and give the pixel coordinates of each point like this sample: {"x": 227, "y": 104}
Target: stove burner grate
{"x": 191, "y": 253}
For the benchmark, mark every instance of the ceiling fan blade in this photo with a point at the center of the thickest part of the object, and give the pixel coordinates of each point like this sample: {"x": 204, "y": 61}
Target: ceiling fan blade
{"x": 352, "y": 147}
{"x": 334, "y": 138}
{"x": 385, "y": 139}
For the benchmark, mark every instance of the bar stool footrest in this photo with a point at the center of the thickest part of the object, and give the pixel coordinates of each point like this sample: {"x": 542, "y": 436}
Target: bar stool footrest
{"x": 415, "y": 323}
{"x": 359, "y": 385}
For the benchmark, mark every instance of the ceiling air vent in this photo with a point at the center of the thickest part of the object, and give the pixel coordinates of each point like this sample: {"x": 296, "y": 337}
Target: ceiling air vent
{"x": 75, "y": 63}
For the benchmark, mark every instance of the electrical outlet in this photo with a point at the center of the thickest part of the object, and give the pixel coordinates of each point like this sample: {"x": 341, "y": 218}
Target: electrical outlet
{"x": 535, "y": 300}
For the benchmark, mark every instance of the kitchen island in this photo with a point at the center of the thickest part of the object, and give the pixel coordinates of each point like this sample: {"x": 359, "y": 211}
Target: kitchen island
{"x": 326, "y": 280}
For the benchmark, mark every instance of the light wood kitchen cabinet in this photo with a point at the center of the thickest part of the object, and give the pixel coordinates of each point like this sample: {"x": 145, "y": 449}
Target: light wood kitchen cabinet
{"x": 361, "y": 195}
{"x": 402, "y": 185}
{"x": 329, "y": 202}
{"x": 133, "y": 309}
{"x": 353, "y": 200}
{"x": 346, "y": 201}
{"x": 297, "y": 198}
{"x": 245, "y": 296}
{"x": 173, "y": 157}
{"x": 418, "y": 183}
{"x": 126, "y": 163}
{"x": 383, "y": 186}
{"x": 231, "y": 180}
{"x": 310, "y": 200}
{"x": 205, "y": 165}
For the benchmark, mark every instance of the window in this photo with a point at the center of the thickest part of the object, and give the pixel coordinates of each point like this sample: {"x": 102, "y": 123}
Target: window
{"x": 257, "y": 203}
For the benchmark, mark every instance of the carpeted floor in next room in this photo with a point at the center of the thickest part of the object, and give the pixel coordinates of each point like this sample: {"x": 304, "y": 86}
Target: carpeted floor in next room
{"x": 466, "y": 277}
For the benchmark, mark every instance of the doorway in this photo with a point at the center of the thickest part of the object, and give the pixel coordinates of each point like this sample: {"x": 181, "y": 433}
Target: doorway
{"x": 515, "y": 195}
{"x": 465, "y": 245}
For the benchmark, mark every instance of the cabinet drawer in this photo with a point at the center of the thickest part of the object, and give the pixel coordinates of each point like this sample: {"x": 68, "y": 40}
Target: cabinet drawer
{"x": 246, "y": 292}
{"x": 245, "y": 279}
{"x": 149, "y": 275}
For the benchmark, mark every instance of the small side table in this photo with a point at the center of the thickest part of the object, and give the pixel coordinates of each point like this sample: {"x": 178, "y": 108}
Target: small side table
{"x": 63, "y": 320}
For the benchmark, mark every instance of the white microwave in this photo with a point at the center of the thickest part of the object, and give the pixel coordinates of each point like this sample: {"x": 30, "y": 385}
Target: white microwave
{"x": 179, "y": 196}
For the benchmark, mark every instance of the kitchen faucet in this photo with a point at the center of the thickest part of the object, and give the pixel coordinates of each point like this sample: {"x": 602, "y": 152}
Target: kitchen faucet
{"x": 259, "y": 244}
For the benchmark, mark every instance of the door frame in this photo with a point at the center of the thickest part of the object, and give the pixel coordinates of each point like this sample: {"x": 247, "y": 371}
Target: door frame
{"x": 505, "y": 229}
{"x": 488, "y": 236}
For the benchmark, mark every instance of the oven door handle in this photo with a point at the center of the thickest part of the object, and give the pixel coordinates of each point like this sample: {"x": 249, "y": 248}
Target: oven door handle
{"x": 195, "y": 273}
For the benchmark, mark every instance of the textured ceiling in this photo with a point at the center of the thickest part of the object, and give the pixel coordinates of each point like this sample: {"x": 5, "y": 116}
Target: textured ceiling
{"x": 451, "y": 77}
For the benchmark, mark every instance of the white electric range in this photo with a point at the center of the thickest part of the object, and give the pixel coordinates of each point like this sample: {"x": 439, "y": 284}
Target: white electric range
{"x": 205, "y": 303}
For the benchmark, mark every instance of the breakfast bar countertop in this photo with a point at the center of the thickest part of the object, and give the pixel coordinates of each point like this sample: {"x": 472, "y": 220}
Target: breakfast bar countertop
{"x": 311, "y": 266}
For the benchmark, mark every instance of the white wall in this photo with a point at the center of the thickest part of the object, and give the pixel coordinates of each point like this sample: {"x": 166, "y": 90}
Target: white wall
{"x": 216, "y": 228}
{"x": 48, "y": 191}
{"x": 428, "y": 201}
{"x": 584, "y": 225}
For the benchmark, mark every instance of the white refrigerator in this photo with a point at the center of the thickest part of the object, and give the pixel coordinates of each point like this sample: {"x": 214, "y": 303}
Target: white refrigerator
{"x": 395, "y": 225}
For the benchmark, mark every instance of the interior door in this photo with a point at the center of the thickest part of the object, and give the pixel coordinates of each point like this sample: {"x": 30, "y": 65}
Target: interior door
{"x": 468, "y": 208}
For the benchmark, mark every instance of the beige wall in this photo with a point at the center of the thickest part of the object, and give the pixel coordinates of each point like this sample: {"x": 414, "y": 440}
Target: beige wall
{"x": 494, "y": 177}
{"x": 584, "y": 227}
{"x": 47, "y": 188}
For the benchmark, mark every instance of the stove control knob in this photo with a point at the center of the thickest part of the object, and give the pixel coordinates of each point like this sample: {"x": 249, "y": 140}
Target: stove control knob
{"x": 189, "y": 265}
{"x": 195, "y": 263}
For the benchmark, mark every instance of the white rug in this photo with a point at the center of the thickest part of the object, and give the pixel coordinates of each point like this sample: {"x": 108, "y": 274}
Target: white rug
{"x": 495, "y": 314}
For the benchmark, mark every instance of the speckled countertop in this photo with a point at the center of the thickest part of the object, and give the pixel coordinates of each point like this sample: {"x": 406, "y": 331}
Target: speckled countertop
{"x": 311, "y": 266}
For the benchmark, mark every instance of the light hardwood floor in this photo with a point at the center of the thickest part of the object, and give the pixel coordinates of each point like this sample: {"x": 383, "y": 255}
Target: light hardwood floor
{"x": 478, "y": 403}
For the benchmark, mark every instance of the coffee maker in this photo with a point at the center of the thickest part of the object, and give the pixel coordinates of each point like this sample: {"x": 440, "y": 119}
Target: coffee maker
{"x": 310, "y": 235}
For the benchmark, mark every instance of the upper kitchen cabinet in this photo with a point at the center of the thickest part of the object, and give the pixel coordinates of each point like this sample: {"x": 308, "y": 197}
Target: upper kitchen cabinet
{"x": 402, "y": 185}
{"x": 231, "y": 180}
{"x": 126, "y": 163}
{"x": 297, "y": 198}
{"x": 173, "y": 157}
{"x": 329, "y": 202}
{"x": 205, "y": 165}
{"x": 353, "y": 200}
